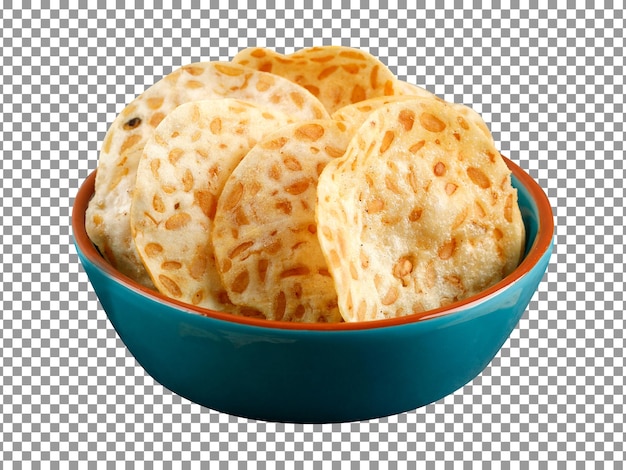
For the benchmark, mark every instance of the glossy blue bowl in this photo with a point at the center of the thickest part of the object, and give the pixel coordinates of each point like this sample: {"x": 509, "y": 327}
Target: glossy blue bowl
{"x": 279, "y": 371}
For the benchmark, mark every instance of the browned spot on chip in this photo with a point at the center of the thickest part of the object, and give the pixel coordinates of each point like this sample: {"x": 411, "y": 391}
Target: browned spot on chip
{"x": 450, "y": 188}
{"x": 460, "y": 218}
{"x": 300, "y": 311}
{"x": 240, "y": 283}
{"x": 298, "y": 187}
{"x": 175, "y": 155}
{"x": 240, "y": 216}
{"x": 388, "y": 88}
{"x": 352, "y": 69}
{"x": 156, "y": 119}
{"x": 295, "y": 271}
{"x": 390, "y": 297}
{"x": 197, "y": 297}
{"x": 206, "y": 201}
{"x": 387, "y": 140}
{"x": 170, "y": 285}
{"x": 228, "y": 70}
{"x": 327, "y": 72}
{"x": 439, "y": 169}
{"x": 447, "y": 249}
{"x": 402, "y": 268}
{"x": 275, "y": 144}
{"x": 309, "y": 132}
{"x": 480, "y": 210}
{"x": 334, "y": 152}
{"x": 274, "y": 172}
{"x": 297, "y": 99}
{"x": 264, "y": 83}
{"x": 234, "y": 196}
{"x": 226, "y": 265}
{"x": 262, "y": 266}
{"x": 153, "y": 249}
{"x": 358, "y": 94}
{"x": 194, "y": 84}
{"x": 130, "y": 142}
{"x": 416, "y": 146}
{"x": 374, "y": 77}
{"x": 274, "y": 247}
{"x": 157, "y": 204}
{"x": 353, "y": 271}
{"x": 258, "y": 53}
{"x": 193, "y": 70}
{"x": 177, "y": 221}
{"x": 406, "y": 118}
{"x": 284, "y": 207}
{"x": 240, "y": 249}
{"x": 462, "y": 122}
{"x": 292, "y": 163}
{"x": 415, "y": 214}
{"x": 455, "y": 281}
{"x": 280, "y": 305}
{"x": 392, "y": 184}
{"x": 431, "y": 123}
{"x": 198, "y": 264}
{"x": 352, "y": 54}
{"x": 315, "y": 91}
{"x": 171, "y": 265}
{"x": 216, "y": 126}
{"x": 187, "y": 180}
{"x": 374, "y": 206}
{"x": 478, "y": 177}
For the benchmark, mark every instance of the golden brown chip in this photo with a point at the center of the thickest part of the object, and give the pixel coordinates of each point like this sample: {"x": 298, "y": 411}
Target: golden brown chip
{"x": 107, "y": 219}
{"x": 264, "y": 233}
{"x": 337, "y": 75}
{"x": 179, "y": 180}
{"x": 419, "y": 213}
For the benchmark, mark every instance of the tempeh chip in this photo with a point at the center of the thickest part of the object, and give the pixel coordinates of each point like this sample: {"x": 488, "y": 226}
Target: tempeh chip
{"x": 180, "y": 177}
{"x": 264, "y": 233}
{"x": 419, "y": 213}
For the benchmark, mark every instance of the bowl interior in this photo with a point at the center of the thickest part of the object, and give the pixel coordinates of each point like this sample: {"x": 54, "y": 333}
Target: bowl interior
{"x": 534, "y": 206}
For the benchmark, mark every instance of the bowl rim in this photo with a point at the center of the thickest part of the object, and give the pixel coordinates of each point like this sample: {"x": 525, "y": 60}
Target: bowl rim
{"x": 540, "y": 246}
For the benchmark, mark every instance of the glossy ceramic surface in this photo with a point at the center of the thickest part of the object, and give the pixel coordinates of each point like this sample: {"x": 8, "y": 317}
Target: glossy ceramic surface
{"x": 319, "y": 373}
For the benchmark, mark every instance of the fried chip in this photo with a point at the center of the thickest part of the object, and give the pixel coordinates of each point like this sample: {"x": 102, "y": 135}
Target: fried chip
{"x": 419, "y": 213}
{"x": 107, "y": 218}
{"x": 337, "y": 75}
{"x": 180, "y": 177}
{"x": 264, "y": 233}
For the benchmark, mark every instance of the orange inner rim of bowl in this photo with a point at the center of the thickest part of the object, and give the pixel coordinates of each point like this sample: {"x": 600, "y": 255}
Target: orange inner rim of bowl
{"x": 541, "y": 243}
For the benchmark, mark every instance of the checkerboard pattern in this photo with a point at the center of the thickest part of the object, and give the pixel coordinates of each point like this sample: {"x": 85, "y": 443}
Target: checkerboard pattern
{"x": 549, "y": 81}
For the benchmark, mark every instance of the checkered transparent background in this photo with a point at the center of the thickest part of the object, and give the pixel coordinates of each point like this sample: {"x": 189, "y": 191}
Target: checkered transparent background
{"x": 549, "y": 81}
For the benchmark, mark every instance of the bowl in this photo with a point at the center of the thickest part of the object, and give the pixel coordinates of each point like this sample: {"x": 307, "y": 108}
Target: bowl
{"x": 318, "y": 373}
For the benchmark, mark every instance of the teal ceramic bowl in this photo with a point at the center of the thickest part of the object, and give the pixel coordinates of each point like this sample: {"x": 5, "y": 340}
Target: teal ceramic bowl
{"x": 319, "y": 373}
